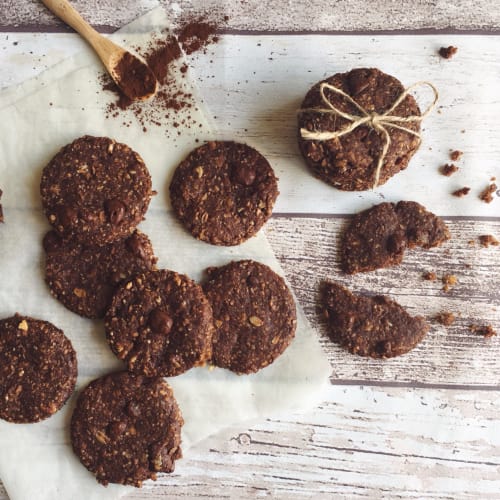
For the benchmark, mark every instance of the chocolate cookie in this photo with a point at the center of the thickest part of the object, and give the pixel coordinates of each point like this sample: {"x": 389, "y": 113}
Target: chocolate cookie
{"x": 95, "y": 190}
{"x": 350, "y": 162}
{"x": 223, "y": 192}
{"x": 379, "y": 236}
{"x": 125, "y": 428}
{"x": 38, "y": 369}
{"x": 254, "y": 315}
{"x": 84, "y": 277}
{"x": 370, "y": 326}
{"x": 160, "y": 323}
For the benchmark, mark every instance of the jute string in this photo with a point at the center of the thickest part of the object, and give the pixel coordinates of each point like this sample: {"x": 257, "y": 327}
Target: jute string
{"x": 376, "y": 121}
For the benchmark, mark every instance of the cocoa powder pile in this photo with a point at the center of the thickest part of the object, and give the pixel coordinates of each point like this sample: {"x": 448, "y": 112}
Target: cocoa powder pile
{"x": 162, "y": 55}
{"x": 136, "y": 78}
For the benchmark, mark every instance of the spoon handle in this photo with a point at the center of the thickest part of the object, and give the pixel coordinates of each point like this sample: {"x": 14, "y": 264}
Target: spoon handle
{"x": 65, "y": 12}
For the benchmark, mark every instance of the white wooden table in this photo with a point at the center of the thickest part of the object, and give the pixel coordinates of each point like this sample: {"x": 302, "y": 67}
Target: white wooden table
{"x": 422, "y": 426}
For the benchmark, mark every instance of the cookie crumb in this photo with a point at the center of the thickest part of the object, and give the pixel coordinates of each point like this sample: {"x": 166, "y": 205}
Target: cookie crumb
{"x": 485, "y": 330}
{"x": 488, "y": 239}
{"x": 461, "y": 192}
{"x": 456, "y": 155}
{"x": 429, "y": 276}
{"x": 448, "y": 169}
{"x": 448, "y": 52}
{"x": 445, "y": 318}
{"x": 449, "y": 281}
{"x": 487, "y": 193}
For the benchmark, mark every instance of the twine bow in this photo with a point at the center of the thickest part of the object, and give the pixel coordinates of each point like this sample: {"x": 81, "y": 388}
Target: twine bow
{"x": 376, "y": 121}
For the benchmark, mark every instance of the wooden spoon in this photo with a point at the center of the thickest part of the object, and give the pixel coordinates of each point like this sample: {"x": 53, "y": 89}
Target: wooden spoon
{"x": 131, "y": 74}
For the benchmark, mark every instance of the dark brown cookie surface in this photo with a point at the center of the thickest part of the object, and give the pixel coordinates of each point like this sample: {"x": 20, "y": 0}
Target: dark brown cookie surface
{"x": 125, "y": 428}
{"x": 223, "y": 192}
{"x": 376, "y": 326}
{"x": 422, "y": 228}
{"x": 95, "y": 190}
{"x": 379, "y": 236}
{"x": 349, "y": 162}
{"x": 38, "y": 369}
{"x": 254, "y": 315}
{"x": 84, "y": 277}
{"x": 160, "y": 324}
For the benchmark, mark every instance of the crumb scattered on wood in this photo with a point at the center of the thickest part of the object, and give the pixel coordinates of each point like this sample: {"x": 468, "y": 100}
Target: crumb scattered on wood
{"x": 472, "y": 243}
{"x": 449, "y": 281}
{"x": 445, "y": 318}
{"x": 487, "y": 193}
{"x": 484, "y": 330}
{"x": 429, "y": 276}
{"x": 456, "y": 155}
{"x": 493, "y": 179}
{"x": 488, "y": 239}
{"x": 448, "y": 52}
{"x": 461, "y": 192}
{"x": 448, "y": 169}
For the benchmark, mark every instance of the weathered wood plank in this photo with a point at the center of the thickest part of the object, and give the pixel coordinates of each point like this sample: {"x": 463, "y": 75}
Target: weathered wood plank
{"x": 307, "y": 250}
{"x": 275, "y": 15}
{"x": 365, "y": 442}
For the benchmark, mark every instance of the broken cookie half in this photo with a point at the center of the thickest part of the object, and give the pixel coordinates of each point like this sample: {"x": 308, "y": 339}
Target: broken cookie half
{"x": 374, "y": 326}
{"x": 379, "y": 236}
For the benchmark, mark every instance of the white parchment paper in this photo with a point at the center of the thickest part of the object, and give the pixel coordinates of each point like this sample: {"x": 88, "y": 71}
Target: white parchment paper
{"x": 36, "y": 120}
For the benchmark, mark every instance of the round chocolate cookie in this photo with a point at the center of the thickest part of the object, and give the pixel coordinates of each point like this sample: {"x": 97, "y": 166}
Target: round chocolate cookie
{"x": 85, "y": 277}
{"x": 254, "y": 315}
{"x": 350, "y": 162}
{"x": 223, "y": 192}
{"x": 160, "y": 323}
{"x": 125, "y": 428}
{"x": 376, "y": 326}
{"x": 38, "y": 369}
{"x": 95, "y": 190}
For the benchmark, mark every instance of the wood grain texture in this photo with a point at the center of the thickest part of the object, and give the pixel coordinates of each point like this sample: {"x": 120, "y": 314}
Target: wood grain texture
{"x": 364, "y": 442}
{"x": 307, "y": 250}
{"x": 274, "y": 15}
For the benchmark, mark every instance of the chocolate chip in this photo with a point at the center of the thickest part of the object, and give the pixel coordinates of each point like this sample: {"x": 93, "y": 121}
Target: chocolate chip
{"x": 136, "y": 245}
{"x": 160, "y": 321}
{"x": 116, "y": 429}
{"x": 51, "y": 242}
{"x": 115, "y": 210}
{"x": 68, "y": 216}
{"x": 252, "y": 281}
{"x": 244, "y": 174}
{"x": 358, "y": 82}
{"x": 395, "y": 243}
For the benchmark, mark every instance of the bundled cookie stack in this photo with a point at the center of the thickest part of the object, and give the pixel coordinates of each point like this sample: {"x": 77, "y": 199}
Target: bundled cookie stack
{"x": 126, "y": 425}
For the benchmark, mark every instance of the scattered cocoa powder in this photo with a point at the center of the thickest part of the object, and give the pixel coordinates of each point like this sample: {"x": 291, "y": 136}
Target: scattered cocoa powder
{"x": 445, "y": 318}
{"x": 488, "y": 239}
{"x": 448, "y": 169}
{"x": 484, "y": 330}
{"x": 448, "y": 52}
{"x": 487, "y": 193}
{"x": 172, "y": 103}
{"x": 461, "y": 192}
{"x": 430, "y": 276}
{"x": 196, "y": 35}
{"x": 455, "y": 155}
